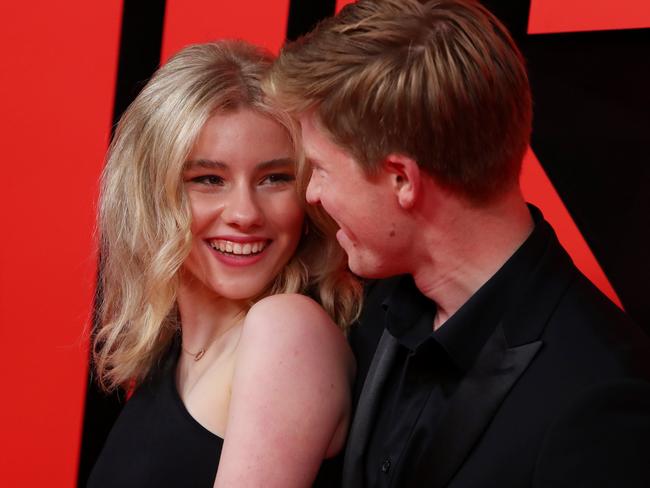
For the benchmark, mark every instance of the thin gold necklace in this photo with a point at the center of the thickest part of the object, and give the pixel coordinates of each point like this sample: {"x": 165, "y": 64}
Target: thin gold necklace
{"x": 196, "y": 355}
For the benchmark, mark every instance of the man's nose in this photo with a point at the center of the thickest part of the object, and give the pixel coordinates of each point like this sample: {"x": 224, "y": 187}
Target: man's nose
{"x": 242, "y": 209}
{"x": 313, "y": 190}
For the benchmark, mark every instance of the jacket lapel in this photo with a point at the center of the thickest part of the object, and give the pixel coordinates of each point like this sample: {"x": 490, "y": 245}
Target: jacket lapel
{"x": 502, "y": 360}
{"x": 474, "y": 403}
{"x": 366, "y": 411}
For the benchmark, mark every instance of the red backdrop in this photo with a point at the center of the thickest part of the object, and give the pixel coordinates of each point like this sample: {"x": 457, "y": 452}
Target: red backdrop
{"x": 58, "y": 77}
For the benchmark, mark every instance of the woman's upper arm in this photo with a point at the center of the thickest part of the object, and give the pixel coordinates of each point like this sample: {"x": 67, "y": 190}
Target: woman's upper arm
{"x": 290, "y": 393}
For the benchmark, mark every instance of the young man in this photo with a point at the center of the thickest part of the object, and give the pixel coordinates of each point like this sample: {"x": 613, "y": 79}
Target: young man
{"x": 485, "y": 358}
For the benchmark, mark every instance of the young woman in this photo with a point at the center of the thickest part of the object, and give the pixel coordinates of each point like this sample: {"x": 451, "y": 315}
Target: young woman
{"x": 224, "y": 298}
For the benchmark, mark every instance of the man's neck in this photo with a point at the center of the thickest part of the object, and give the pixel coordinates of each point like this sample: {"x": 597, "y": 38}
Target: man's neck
{"x": 461, "y": 255}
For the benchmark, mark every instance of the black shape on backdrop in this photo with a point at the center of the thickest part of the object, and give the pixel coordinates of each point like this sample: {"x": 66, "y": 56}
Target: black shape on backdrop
{"x": 591, "y": 134}
{"x": 514, "y": 15}
{"x": 305, "y": 14}
{"x": 139, "y": 56}
{"x": 140, "y": 47}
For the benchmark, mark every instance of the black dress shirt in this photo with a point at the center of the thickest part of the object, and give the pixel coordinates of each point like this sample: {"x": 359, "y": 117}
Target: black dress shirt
{"x": 431, "y": 364}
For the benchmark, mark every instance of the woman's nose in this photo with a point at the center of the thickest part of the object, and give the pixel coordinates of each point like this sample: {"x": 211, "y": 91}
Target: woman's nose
{"x": 242, "y": 210}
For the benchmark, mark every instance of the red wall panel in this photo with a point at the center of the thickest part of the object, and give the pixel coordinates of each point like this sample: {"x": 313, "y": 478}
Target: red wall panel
{"x": 547, "y": 16}
{"x": 261, "y": 22}
{"x": 342, "y": 3}
{"x": 57, "y": 85}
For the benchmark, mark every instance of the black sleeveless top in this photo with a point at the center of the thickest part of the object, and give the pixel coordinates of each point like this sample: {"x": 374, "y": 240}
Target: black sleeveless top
{"x": 155, "y": 442}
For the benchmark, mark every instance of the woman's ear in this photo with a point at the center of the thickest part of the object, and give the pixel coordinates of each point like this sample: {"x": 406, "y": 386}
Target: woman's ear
{"x": 405, "y": 178}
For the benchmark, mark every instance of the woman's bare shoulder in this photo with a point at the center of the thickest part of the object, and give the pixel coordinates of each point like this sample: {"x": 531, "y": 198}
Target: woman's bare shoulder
{"x": 290, "y": 307}
{"x": 294, "y": 318}
{"x": 290, "y": 395}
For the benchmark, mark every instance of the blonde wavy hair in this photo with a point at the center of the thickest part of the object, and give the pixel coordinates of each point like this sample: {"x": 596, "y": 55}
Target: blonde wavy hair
{"x": 144, "y": 217}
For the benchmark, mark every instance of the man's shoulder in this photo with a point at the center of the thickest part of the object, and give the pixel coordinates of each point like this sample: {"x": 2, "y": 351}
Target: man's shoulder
{"x": 587, "y": 344}
{"x": 585, "y": 336}
{"x": 593, "y": 331}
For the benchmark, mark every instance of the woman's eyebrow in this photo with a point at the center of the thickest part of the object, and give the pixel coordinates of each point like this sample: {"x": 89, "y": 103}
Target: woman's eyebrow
{"x": 213, "y": 164}
{"x": 205, "y": 163}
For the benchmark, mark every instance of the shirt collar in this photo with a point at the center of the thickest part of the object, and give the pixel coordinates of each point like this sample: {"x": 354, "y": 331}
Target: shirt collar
{"x": 409, "y": 313}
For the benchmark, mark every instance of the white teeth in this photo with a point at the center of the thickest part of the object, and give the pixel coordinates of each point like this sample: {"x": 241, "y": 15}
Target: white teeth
{"x": 237, "y": 248}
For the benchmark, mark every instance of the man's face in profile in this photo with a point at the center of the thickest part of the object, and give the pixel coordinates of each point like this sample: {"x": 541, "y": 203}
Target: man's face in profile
{"x": 362, "y": 206}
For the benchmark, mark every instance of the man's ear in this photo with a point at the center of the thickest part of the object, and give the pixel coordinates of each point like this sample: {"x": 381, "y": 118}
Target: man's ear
{"x": 405, "y": 178}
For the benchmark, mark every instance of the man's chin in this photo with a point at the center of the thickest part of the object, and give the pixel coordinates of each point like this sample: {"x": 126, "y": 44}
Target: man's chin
{"x": 367, "y": 270}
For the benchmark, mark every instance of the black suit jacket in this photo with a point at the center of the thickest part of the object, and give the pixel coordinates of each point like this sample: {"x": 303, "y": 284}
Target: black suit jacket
{"x": 558, "y": 396}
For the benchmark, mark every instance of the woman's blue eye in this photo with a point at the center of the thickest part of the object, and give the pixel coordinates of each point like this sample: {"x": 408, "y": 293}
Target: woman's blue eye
{"x": 208, "y": 180}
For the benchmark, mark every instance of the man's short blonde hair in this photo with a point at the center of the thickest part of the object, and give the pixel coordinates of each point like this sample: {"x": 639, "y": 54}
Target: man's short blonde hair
{"x": 440, "y": 81}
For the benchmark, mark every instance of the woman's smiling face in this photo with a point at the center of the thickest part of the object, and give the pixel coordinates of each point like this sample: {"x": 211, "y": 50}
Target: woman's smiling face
{"x": 246, "y": 215}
